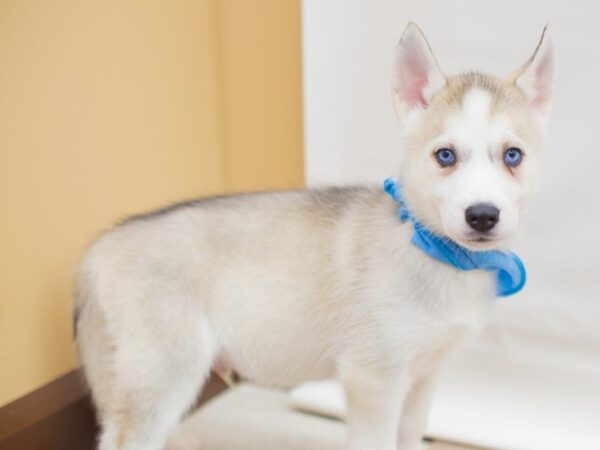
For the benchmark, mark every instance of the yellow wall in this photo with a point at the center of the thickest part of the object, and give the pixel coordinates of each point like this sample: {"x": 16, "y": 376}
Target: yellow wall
{"x": 113, "y": 107}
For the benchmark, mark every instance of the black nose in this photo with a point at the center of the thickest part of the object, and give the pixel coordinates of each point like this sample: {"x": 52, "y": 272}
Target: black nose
{"x": 482, "y": 217}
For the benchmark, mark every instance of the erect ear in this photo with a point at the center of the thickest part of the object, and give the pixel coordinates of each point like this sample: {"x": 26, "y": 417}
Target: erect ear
{"x": 536, "y": 77}
{"x": 416, "y": 76}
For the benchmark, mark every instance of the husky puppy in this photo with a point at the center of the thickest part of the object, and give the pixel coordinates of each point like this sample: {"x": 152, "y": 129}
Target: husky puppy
{"x": 286, "y": 287}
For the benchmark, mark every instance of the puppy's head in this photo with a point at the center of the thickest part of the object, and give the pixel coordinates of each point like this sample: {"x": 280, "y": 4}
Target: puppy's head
{"x": 471, "y": 141}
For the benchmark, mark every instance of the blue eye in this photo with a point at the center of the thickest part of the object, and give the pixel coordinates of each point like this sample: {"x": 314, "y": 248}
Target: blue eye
{"x": 445, "y": 157}
{"x": 513, "y": 157}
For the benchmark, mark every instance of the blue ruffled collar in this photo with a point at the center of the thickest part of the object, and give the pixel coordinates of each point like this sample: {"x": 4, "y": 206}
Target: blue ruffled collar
{"x": 511, "y": 275}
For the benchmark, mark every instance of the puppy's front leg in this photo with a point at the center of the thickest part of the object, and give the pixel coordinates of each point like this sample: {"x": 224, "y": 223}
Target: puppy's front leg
{"x": 413, "y": 421}
{"x": 374, "y": 400}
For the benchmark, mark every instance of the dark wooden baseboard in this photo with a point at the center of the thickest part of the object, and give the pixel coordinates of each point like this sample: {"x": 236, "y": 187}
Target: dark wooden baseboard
{"x": 60, "y": 416}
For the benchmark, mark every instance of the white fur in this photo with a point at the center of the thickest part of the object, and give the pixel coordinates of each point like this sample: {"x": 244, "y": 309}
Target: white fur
{"x": 287, "y": 287}
{"x": 479, "y": 138}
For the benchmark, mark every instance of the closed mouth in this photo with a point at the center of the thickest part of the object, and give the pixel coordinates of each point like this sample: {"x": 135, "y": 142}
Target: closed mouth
{"x": 479, "y": 241}
{"x": 480, "y": 237}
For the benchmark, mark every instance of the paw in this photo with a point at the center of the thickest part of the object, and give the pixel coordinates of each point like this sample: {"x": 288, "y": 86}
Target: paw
{"x": 182, "y": 441}
{"x": 413, "y": 445}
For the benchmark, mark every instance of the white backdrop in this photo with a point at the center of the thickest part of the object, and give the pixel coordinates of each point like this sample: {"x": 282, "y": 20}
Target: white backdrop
{"x": 532, "y": 381}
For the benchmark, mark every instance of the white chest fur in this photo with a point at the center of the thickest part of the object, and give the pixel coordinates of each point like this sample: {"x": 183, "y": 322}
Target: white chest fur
{"x": 421, "y": 306}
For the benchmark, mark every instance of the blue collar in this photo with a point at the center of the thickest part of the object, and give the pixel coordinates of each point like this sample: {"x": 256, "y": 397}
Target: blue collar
{"x": 509, "y": 268}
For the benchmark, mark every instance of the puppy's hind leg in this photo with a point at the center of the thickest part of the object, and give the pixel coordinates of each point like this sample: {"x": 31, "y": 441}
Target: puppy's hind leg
{"x": 154, "y": 390}
{"x": 151, "y": 377}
